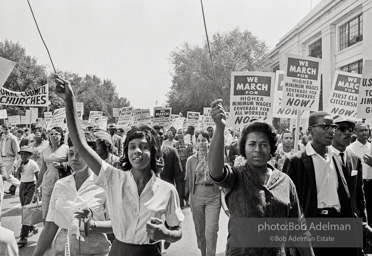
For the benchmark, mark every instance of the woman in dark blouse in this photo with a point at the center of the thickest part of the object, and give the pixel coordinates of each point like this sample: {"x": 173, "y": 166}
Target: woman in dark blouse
{"x": 256, "y": 190}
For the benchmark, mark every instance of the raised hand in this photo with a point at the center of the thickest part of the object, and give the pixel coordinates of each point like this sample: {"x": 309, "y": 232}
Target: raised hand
{"x": 63, "y": 87}
{"x": 218, "y": 113}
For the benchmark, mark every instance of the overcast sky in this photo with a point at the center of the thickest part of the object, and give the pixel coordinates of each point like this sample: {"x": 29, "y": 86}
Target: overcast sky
{"x": 130, "y": 41}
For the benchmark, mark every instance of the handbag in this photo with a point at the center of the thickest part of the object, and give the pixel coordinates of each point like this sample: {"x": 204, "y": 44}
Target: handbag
{"x": 32, "y": 213}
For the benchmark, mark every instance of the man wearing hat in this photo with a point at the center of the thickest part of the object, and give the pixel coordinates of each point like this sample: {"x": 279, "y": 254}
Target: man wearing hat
{"x": 351, "y": 165}
{"x": 116, "y": 141}
{"x": 28, "y": 170}
{"x": 9, "y": 154}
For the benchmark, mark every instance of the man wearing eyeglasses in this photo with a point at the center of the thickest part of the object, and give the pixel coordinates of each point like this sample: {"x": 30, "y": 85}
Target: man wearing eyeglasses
{"x": 321, "y": 187}
{"x": 362, "y": 148}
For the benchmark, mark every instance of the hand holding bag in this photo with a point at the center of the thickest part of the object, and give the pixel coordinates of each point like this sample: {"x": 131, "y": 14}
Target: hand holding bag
{"x": 32, "y": 213}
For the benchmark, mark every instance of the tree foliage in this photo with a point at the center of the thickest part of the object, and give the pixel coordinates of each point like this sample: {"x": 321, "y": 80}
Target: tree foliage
{"x": 27, "y": 74}
{"x": 195, "y": 84}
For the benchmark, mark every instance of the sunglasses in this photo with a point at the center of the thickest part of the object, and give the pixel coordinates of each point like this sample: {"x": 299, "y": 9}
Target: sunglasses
{"x": 326, "y": 126}
{"x": 345, "y": 128}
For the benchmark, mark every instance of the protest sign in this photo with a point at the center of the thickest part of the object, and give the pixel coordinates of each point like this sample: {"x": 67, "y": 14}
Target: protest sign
{"x": 192, "y": 119}
{"x": 14, "y": 120}
{"x": 101, "y": 123}
{"x": 207, "y": 119}
{"x": 364, "y": 109}
{"x": 162, "y": 116}
{"x": 80, "y": 109}
{"x": 48, "y": 116}
{"x": 6, "y": 67}
{"x": 94, "y": 116}
{"x": 250, "y": 98}
{"x": 141, "y": 116}
{"x": 58, "y": 119}
{"x": 37, "y": 97}
{"x": 344, "y": 95}
{"x": 34, "y": 115}
{"x": 23, "y": 120}
{"x": 3, "y": 114}
{"x": 28, "y": 116}
{"x": 278, "y": 110}
{"x": 41, "y": 122}
{"x": 116, "y": 112}
{"x": 125, "y": 119}
{"x": 301, "y": 88}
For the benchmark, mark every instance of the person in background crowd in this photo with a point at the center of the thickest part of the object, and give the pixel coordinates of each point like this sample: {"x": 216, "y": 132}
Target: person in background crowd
{"x": 210, "y": 130}
{"x": 255, "y": 190}
{"x": 172, "y": 170}
{"x": 205, "y": 197}
{"x": 40, "y": 142}
{"x": 9, "y": 154}
{"x": 121, "y": 133}
{"x": 56, "y": 151}
{"x": 21, "y": 139}
{"x": 233, "y": 149}
{"x": 137, "y": 227}
{"x": 351, "y": 166}
{"x": 28, "y": 171}
{"x": 72, "y": 195}
{"x": 29, "y": 135}
{"x": 285, "y": 151}
{"x": 104, "y": 148}
{"x": 170, "y": 141}
{"x": 116, "y": 141}
{"x": 362, "y": 148}
{"x": 320, "y": 185}
{"x": 184, "y": 151}
{"x": 189, "y": 136}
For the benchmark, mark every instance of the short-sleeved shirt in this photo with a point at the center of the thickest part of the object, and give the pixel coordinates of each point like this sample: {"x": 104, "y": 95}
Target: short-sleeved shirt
{"x": 66, "y": 200}
{"x": 129, "y": 212}
{"x": 247, "y": 197}
{"x": 29, "y": 170}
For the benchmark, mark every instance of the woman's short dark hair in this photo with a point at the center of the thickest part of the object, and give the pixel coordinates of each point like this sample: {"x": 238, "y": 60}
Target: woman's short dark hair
{"x": 140, "y": 132}
{"x": 204, "y": 133}
{"x": 89, "y": 137}
{"x": 107, "y": 146}
{"x": 60, "y": 130}
{"x": 265, "y": 128}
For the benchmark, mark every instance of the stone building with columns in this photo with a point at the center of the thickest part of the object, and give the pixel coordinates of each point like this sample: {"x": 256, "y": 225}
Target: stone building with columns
{"x": 337, "y": 31}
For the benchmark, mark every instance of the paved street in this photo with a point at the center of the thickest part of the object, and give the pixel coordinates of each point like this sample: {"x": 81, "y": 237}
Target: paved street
{"x": 187, "y": 246}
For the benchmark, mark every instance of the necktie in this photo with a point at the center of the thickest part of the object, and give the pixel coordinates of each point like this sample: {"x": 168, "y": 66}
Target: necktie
{"x": 342, "y": 158}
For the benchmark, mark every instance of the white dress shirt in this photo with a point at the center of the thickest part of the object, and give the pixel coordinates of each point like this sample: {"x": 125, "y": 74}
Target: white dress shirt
{"x": 360, "y": 150}
{"x": 129, "y": 212}
{"x": 326, "y": 179}
{"x": 66, "y": 200}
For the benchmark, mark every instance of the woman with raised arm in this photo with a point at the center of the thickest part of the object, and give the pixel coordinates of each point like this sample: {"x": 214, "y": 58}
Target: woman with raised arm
{"x": 137, "y": 199}
{"x": 256, "y": 190}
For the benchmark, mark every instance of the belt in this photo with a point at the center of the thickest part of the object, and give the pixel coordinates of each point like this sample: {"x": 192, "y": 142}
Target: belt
{"x": 327, "y": 212}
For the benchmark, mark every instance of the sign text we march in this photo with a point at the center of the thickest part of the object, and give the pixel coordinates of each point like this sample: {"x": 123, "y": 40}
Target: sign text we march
{"x": 251, "y": 98}
{"x": 301, "y": 88}
{"x": 344, "y": 95}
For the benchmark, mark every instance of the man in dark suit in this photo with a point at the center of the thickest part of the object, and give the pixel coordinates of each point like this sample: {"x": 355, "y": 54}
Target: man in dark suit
{"x": 322, "y": 188}
{"x": 351, "y": 166}
{"x": 172, "y": 170}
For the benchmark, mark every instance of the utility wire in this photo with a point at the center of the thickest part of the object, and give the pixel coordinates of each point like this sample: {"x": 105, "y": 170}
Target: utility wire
{"x": 37, "y": 26}
{"x": 209, "y": 47}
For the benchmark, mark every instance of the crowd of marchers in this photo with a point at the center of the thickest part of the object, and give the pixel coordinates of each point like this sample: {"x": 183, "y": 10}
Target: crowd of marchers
{"x": 117, "y": 192}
